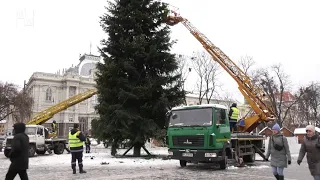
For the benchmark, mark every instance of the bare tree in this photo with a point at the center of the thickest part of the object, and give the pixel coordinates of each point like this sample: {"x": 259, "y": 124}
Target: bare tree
{"x": 183, "y": 70}
{"x": 227, "y": 98}
{"x": 246, "y": 63}
{"x": 8, "y": 92}
{"x": 207, "y": 70}
{"x": 309, "y": 104}
{"x": 276, "y": 85}
{"x": 13, "y": 102}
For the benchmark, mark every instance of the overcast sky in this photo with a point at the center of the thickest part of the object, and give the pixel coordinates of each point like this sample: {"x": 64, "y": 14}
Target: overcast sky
{"x": 46, "y": 36}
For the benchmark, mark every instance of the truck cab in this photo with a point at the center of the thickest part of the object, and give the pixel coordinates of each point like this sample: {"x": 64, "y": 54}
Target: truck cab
{"x": 39, "y": 141}
{"x": 199, "y": 133}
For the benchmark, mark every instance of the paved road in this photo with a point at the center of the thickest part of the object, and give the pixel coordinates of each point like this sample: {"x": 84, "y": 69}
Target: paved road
{"x": 257, "y": 171}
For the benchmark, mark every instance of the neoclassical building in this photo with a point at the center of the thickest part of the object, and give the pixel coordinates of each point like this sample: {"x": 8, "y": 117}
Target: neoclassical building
{"x": 48, "y": 89}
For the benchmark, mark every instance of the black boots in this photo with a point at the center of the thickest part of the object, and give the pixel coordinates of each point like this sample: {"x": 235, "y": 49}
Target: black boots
{"x": 278, "y": 177}
{"x": 82, "y": 171}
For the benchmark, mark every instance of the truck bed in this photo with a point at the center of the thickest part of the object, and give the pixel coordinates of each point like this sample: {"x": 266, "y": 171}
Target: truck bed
{"x": 247, "y": 136}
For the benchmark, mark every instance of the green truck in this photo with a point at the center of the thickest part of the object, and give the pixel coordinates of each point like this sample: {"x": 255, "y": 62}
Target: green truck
{"x": 201, "y": 134}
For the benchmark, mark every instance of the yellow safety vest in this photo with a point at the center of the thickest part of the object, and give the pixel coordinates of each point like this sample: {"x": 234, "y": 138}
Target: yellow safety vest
{"x": 74, "y": 141}
{"x": 54, "y": 126}
{"x": 235, "y": 113}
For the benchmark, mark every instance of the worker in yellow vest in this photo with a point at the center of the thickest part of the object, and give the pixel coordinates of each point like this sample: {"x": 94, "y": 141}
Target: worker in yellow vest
{"x": 54, "y": 128}
{"x": 233, "y": 117}
{"x": 76, "y": 141}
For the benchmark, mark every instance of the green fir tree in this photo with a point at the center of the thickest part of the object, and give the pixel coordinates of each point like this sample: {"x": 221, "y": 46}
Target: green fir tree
{"x": 136, "y": 83}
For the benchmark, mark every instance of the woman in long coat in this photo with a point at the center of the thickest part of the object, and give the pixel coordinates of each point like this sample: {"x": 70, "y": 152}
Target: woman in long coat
{"x": 311, "y": 146}
{"x": 278, "y": 148}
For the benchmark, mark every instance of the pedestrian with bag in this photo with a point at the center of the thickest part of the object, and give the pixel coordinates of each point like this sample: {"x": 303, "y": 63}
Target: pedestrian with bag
{"x": 76, "y": 141}
{"x": 278, "y": 148}
{"x": 311, "y": 146}
{"x": 19, "y": 154}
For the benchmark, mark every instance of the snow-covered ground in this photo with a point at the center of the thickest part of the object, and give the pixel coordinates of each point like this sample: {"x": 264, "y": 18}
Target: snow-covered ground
{"x": 101, "y": 156}
{"x": 101, "y": 165}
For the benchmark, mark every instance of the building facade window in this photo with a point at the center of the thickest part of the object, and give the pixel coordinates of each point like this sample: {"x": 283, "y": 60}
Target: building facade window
{"x": 72, "y": 91}
{"x": 49, "y": 94}
{"x": 71, "y": 117}
{"x": 94, "y": 100}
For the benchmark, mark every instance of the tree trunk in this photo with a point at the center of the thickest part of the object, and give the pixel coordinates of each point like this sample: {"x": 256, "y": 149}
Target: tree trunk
{"x": 114, "y": 147}
{"x": 137, "y": 149}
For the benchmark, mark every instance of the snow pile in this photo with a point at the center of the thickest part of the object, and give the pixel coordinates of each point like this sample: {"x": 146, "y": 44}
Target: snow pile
{"x": 99, "y": 157}
{"x": 249, "y": 167}
{"x": 102, "y": 156}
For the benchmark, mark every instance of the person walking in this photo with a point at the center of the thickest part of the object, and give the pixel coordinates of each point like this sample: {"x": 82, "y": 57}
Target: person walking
{"x": 88, "y": 143}
{"x": 311, "y": 146}
{"x": 278, "y": 148}
{"x": 76, "y": 139}
{"x": 19, "y": 154}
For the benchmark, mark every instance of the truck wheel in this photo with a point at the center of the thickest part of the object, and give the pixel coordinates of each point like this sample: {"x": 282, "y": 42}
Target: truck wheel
{"x": 224, "y": 163}
{"x": 59, "y": 148}
{"x": 183, "y": 163}
{"x": 32, "y": 150}
{"x": 7, "y": 152}
{"x": 40, "y": 152}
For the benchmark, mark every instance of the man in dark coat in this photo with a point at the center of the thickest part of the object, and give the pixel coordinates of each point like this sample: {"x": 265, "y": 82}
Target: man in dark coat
{"x": 311, "y": 147}
{"x": 19, "y": 155}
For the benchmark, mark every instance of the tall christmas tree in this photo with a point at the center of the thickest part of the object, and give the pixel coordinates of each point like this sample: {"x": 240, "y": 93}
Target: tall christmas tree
{"x": 136, "y": 83}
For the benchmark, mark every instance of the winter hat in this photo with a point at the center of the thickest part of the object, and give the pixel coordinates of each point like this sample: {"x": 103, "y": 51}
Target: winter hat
{"x": 276, "y": 127}
{"x": 311, "y": 127}
{"x": 19, "y": 128}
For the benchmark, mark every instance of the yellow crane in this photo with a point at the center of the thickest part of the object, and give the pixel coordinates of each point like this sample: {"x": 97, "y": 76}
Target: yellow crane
{"x": 48, "y": 113}
{"x": 252, "y": 93}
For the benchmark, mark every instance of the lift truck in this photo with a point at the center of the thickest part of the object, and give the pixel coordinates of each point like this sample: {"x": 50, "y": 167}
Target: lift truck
{"x": 41, "y": 141}
{"x": 201, "y": 133}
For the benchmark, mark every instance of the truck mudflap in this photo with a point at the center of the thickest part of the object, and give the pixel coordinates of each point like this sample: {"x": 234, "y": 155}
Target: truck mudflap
{"x": 196, "y": 155}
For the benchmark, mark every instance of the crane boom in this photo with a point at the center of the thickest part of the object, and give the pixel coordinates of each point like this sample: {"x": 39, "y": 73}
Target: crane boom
{"x": 252, "y": 93}
{"x": 46, "y": 114}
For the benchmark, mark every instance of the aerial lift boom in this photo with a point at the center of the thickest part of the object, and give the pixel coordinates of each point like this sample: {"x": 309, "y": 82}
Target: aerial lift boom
{"x": 252, "y": 93}
{"x": 46, "y": 114}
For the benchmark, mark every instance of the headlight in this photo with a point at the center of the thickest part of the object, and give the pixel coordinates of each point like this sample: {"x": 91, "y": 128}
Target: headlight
{"x": 210, "y": 155}
{"x": 170, "y": 153}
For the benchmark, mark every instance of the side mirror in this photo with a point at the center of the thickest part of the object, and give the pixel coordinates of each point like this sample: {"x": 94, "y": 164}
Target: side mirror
{"x": 174, "y": 116}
